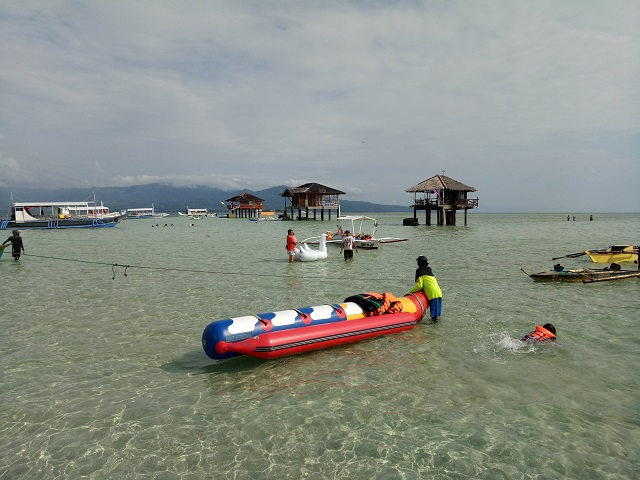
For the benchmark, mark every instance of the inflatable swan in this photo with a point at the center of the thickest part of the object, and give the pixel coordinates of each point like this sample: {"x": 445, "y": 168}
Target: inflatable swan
{"x": 305, "y": 254}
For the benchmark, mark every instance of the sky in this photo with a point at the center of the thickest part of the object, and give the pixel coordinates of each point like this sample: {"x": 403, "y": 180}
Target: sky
{"x": 535, "y": 104}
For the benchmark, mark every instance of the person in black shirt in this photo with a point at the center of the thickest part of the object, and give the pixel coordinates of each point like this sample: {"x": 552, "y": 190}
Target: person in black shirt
{"x": 16, "y": 244}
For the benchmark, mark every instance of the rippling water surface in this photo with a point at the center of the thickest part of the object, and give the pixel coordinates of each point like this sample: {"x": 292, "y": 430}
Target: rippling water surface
{"x": 103, "y": 375}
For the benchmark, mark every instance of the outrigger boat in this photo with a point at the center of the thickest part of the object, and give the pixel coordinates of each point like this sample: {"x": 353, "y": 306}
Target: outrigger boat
{"x": 585, "y": 275}
{"x": 364, "y": 240}
{"x": 612, "y": 254}
{"x": 52, "y": 215}
{"x": 197, "y": 213}
{"x": 145, "y": 213}
{"x": 287, "y": 332}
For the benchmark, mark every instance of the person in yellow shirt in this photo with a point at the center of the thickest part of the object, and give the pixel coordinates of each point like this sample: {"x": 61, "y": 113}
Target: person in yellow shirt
{"x": 426, "y": 281}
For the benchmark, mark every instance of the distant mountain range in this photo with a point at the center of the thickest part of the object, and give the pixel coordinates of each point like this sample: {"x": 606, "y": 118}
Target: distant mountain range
{"x": 166, "y": 198}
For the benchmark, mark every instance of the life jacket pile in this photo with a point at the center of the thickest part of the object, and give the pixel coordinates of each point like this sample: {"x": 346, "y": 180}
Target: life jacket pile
{"x": 541, "y": 334}
{"x": 376, "y": 303}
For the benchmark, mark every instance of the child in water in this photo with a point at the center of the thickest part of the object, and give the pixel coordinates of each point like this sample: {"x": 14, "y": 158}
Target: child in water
{"x": 541, "y": 334}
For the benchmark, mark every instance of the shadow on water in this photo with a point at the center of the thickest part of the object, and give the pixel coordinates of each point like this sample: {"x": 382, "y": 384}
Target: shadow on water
{"x": 197, "y": 363}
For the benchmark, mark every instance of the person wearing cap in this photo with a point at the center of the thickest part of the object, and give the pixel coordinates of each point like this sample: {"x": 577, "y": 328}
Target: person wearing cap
{"x": 426, "y": 281}
{"x": 292, "y": 241}
{"x": 16, "y": 244}
{"x": 347, "y": 245}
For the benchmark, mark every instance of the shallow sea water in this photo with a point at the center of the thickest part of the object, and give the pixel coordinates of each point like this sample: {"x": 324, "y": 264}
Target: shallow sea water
{"x": 103, "y": 374}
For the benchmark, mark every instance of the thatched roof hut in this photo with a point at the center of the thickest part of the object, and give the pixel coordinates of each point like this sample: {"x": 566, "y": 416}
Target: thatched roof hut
{"x": 311, "y": 189}
{"x": 245, "y": 205}
{"x": 440, "y": 182}
{"x": 445, "y": 196}
{"x": 309, "y": 199}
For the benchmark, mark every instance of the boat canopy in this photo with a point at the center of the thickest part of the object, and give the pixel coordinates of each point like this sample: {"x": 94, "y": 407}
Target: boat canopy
{"x": 357, "y": 227}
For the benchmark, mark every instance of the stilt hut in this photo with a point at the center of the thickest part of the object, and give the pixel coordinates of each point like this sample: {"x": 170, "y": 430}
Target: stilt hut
{"x": 244, "y": 205}
{"x": 306, "y": 201}
{"x": 445, "y": 196}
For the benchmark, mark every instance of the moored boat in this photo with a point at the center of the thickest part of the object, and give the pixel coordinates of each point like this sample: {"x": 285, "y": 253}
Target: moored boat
{"x": 363, "y": 239}
{"x": 148, "y": 212}
{"x": 53, "y": 215}
{"x": 614, "y": 253}
{"x": 288, "y": 332}
{"x": 584, "y": 275}
{"x": 196, "y": 213}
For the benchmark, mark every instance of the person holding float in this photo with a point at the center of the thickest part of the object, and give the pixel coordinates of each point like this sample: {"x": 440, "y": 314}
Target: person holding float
{"x": 292, "y": 241}
{"x": 427, "y": 282}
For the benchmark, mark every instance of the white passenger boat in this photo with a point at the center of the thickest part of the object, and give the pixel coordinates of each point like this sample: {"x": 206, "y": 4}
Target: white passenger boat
{"x": 196, "y": 213}
{"x": 52, "y": 215}
{"x": 145, "y": 213}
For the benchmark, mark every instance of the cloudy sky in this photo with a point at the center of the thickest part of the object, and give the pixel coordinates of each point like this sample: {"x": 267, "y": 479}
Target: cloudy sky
{"x": 536, "y": 104}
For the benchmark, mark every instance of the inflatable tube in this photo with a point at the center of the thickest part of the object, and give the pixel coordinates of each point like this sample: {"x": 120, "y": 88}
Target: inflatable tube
{"x": 322, "y": 249}
{"x": 287, "y": 332}
{"x": 304, "y": 253}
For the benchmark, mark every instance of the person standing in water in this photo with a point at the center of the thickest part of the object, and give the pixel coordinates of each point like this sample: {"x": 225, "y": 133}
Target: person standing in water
{"x": 291, "y": 245}
{"x": 426, "y": 281}
{"x": 16, "y": 244}
{"x": 348, "y": 245}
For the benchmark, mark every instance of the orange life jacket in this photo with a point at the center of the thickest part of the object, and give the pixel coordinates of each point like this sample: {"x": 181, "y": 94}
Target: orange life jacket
{"x": 389, "y": 303}
{"x": 541, "y": 334}
{"x": 376, "y": 303}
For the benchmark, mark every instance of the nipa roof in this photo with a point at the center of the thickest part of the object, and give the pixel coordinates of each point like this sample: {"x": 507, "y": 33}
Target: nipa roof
{"x": 440, "y": 182}
{"x": 244, "y": 197}
{"x": 311, "y": 188}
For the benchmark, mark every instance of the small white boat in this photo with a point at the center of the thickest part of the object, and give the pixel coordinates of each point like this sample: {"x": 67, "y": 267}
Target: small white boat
{"x": 363, "y": 229}
{"x": 145, "y": 213}
{"x": 197, "y": 213}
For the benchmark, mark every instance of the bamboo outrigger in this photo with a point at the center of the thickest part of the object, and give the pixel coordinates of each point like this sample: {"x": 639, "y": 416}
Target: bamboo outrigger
{"x": 584, "y": 275}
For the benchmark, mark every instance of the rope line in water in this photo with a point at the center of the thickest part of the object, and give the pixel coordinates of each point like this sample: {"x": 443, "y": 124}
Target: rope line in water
{"x": 188, "y": 270}
{"x": 269, "y": 275}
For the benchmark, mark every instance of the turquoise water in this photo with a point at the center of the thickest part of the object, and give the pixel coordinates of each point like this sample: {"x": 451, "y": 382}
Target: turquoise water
{"x": 103, "y": 375}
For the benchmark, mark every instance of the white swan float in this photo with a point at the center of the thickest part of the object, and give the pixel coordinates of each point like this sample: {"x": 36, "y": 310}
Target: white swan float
{"x": 304, "y": 253}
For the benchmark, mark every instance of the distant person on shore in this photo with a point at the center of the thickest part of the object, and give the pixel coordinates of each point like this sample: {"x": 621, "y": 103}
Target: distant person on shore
{"x": 16, "y": 244}
{"x": 348, "y": 245}
{"x": 291, "y": 245}
{"x": 427, "y": 282}
{"x": 541, "y": 334}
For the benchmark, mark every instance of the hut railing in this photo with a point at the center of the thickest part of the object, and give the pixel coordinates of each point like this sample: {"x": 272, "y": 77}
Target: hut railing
{"x": 436, "y": 202}
{"x": 318, "y": 204}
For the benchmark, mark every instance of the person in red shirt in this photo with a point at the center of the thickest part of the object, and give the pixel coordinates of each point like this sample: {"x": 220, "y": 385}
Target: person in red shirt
{"x": 291, "y": 245}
